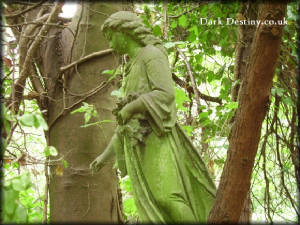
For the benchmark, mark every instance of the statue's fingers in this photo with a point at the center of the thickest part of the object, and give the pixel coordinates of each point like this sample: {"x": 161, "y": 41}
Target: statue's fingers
{"x": 92, "y": 165}
{"x": 96, "y": 168}
{"x": 99, "y": 166}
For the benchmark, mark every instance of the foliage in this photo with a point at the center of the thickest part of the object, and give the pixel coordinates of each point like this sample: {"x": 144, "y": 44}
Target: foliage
{"x": 210, "y": 52}
{"x": 21, "y": 206}
{"x": 129, "y": 208}
{"x": 275, "y": 179}
{"x": 88, "y": 110}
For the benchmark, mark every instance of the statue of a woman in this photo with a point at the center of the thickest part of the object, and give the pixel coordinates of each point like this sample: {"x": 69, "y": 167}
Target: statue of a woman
{"x": 170, "y": 182}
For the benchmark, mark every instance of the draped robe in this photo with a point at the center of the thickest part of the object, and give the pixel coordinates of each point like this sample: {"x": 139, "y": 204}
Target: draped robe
{"x": 170, "y": 181}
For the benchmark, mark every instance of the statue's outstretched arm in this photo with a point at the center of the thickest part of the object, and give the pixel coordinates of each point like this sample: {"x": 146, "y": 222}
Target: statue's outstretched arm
{"x": 107, "y": 155}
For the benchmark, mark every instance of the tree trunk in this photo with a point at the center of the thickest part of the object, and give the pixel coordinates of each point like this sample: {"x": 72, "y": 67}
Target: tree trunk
{"x": 75, "y": 194}
{"x": 246, "y": 213}
{"x": 243, "y": 48}
{"x": 246, "y": 34}
{"x": 253, "y": 102}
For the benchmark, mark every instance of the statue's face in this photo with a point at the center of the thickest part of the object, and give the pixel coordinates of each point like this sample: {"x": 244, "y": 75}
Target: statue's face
{"x": 118, "y": 41}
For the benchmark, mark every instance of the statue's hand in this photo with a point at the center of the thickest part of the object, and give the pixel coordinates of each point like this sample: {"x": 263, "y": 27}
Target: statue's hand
{"x": 125, "y": 114}
{"x": 97, "y": 164}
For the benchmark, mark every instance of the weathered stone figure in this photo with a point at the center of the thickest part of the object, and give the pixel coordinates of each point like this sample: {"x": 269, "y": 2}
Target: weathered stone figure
{"x": 169, "y": 179}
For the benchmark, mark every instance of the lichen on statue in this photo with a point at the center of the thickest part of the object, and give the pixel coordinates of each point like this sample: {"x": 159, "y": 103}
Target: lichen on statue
{"x": 170, "y": 181}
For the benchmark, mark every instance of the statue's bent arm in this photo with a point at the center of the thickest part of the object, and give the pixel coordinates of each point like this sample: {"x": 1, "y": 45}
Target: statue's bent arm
{"x": 108, "y": 154}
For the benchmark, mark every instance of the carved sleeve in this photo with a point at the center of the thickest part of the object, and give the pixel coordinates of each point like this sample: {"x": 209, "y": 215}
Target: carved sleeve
{"x": 160, "y": 101}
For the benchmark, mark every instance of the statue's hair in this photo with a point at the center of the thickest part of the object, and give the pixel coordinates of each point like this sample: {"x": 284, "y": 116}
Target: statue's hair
{"x": 130, "y": 24}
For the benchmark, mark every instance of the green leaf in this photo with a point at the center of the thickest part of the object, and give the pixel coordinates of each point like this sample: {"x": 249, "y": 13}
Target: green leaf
{"x": 232, "y": 105}
{"x": 15, "y": 165}
{"x": 219, "y": 162}
{"x": 50, "y": 151}
{"x": 108, "y": 72}
{"x": 6, "y": 125}
{"x": 174, "y": 24}
{"x": 27, "y": 120}
{"x": 129, "y": 206}
{"x": 42, "y": 122}
{"x": 203, "y": 115}
{"x": 116, "y": 73}
{"x": 210, "y": 76}
{"x": 65, "y": 163}
{"x": 199, "y": 58}
{"x": 195, "y": 30}
{"x": 88, "y": 109}
{"x": 172, "y": 44}
{"x": 192, "y": 37}
{"x": 180, "y": 98}
{"x": 278, "y": 91}
{"x": 36, "y": 121}
{"x": 206, "y": 122}
{"x": 157, "y": 30}
{"x": 80, "y": 109}
{"x": 169, "y": 45}
{"x": 127, "y": 184}
{"x": 87, "y": 117}
{"x": 188, "y": 130}
{"x": 183, "y": 21}
{"x": 288, "y": 101}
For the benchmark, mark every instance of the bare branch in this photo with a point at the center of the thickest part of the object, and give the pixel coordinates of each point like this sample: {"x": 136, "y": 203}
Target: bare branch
{"x": 67, "y": 109}
{"x": 190, "y": 89}
{"x": 189, "y": 69}
{"x": 86, "y": 58}
{"x": 293, "y": 203}
{"x": 36, "y": 80}
{"x": 187, "y": 11}
{"x": 10, "y": 136}
{"x": 26, "y": 10}
{"x": 45, "y": 210}
{"x": 165, "y": 32}
{"x": 34, "y": 22}
{"x": 25, "y": 69}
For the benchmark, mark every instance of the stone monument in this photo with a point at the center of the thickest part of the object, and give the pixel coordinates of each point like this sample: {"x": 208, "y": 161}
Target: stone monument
{"x": 170, "y": 181}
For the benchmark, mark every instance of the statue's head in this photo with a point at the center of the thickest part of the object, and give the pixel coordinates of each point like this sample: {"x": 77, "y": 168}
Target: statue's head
{"x": 131, "y": 26}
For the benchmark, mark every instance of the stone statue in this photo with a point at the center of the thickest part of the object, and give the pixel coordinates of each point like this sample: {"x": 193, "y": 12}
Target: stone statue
{"x": 170, "y": 182}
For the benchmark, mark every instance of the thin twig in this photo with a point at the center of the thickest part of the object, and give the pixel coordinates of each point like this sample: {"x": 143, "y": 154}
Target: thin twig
{"x": 14, "y": 155}
{"x": 189, "y": 70}
{"x": 76, "y": 32}
{"x": 26, "y": 10}
{"x": 85, "y": 33}
{"x": 104, "y": 14}
{"x": 281, "y": 171}
{"x": 190, "y": 89}
{"x": 185, "y": 12}
{"x": 30, "y": 53}
{"x": 66, "y": 109}
{"x": 36, "y": 80}
{"x": 165, "y": 33}
{"x": 267, "y": 197}
{"x": 11, "y": 133}
{"x": 84, "y": 59}
{"x": 35, "y": 22}
{"x": 45, "y": 211}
